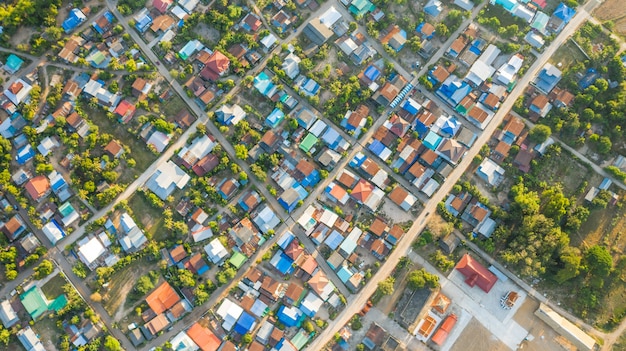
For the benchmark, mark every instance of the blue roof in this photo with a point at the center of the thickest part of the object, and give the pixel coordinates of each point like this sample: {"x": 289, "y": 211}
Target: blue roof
{"x": 263, "y": 83}
{"x": 376, "y": 147}
{"x": 344, "y": 274}
{"x": 282, "y": 263}
{"x": 409, "y": 107}
{"x": 274, "y": 118}
{"x": 432, "y": 140}
{"x": 285, "y": 240}
{"x": 334, "y": 240}
{"x": 302, "y": 193}
{"x": 290, "y": 317}
{"x": 312, "y": 179}
{"x": 477, "y": 46}
{"x": 372, "y": 73}
{"x": 564, "y": 13}
{"x": 332, "y": 138}
{"x": 451, "y": 126}
{"x": 58, "y": 184}
{"x": 358, "y": 160}
{"x": 75, "y": 17}
{"x": 25, "y": 154}
{"x": 588, "y": 79}
{"x": 245, "y": 323}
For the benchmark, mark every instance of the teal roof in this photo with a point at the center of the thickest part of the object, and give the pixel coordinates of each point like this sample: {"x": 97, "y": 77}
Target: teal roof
{"x": 361, "y": 7}
{"x": 344, "y": 274}
{"x": 300, "y": 339}
{"x": 508, "y": 5}
{"x": 432, "y": 140}
{"x": 34, "y": 302}
{"x": 308, "y": 142}
{"x": 540, "y": 21}
{"x": 66, "y": 209}
{"x": 14, "y": 63}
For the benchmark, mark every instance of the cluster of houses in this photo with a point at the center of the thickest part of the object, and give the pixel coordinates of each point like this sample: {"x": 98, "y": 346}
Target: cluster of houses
{"x": 541, "y": 24}
{"x": 246, "y": 311}
{"x": 336, "y": 236}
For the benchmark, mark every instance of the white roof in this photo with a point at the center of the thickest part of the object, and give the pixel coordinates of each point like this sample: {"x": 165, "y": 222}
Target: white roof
{"x": 479, "y": 72}
{"x": 47, "y": 145}
{"x": 178, "y": 12}
{"x": 329, "y": 17}
{"x": 182, "y": 342}
{"x": 508, "y": 70}
{"x": 7, "y": 314}
{"x": 430, "y": 187}
{"x": 127, "y": 222}
{"x": 566, "y": 328}
{"x": 318, "y": 128}
{"x": 266, "y": 219}
{"x": 290, "y": 65}
{"x": 524, "y": 13}
{"x": 198, "y": 148}
{"x": 230, "y": 312}
{"x": 166, "y": 178}
{"x": 491, "y": 170}
{"x": 202, "y": 233}
{"x": 52, "y": 232}
{"x": 134, "y": 240}
{"x": 380, "y": 178}
{"x": 374, "y": 199}
{"x": 306, "y": 220}
{"x": 312, "y": 302}
{"x": 216, "y": 251}
{"x": 329, "y": 218}
{"x": 490, "y": 54}
{"x": 21, "y": 95}
{"x": 159, "y": 140}
{"x": 91, "y": 251}
{"x": 70, "y": 218}
{"x": 269, "y": 40}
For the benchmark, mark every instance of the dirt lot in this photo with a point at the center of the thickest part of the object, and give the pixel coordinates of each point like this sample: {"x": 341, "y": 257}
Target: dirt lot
{"x": 613, "y": 10}
{"x": 545, "y": 338}
{"x": 477, "y": 337}
{"x": 121, "y": 285}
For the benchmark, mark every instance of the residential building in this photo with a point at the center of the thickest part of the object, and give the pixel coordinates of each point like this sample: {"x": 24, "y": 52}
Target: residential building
{"x": 166, "y": 179}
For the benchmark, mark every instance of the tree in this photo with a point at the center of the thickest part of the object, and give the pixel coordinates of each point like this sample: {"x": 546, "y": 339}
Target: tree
{"x": 44, "y": 269}
{"x": 111, "y": 344}
{"x": 241, "y": 151}
{"x": 5, "y": 336}
{"x": 599, "y": 261}
{"x": 419, "y": 278}
{"x": 539, "y": 133}
{"x": 96, "y": 297}
{"x": 308, "y": 326}
{"x": 144, "y": 284}
{"x": 441, "y": 29}
{"x": 570, "y": 265}
{"x": 246, "y": 339}
{"x": 385, "y": 287}
{"x": 556, "y": 205}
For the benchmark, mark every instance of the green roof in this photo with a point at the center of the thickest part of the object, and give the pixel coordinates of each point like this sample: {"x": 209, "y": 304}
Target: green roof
{"x": 58, "y": 303}
{"x": 308, "y": 142}
{"x": 361, "y": 7}
{"x": 300, "y": 339}
{"x": 34, "y": 302}
{"x": 238, "y": 259}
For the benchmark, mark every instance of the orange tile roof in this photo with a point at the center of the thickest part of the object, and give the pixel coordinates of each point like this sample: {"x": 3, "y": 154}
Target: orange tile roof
{"x": 458, "y": 45}
{"x": 502, "y": 148}
{"x": 338, "y": 192}
{"x": 294, "y": 291}
{"x": 429, "y": 156}
{"x": 370, "y": 167}
{"x": 491, "y": 100}
{"x": 178, "y": 253}
{"x": 362, "y": 190}
{"x": 417, "y": 170}
{"x": 396, "y": 232}
{"x": 441, "y": 303}
{"x": 440, "y": 73}
{"x": 540, "y": 101}
{"x": 478, "y": 114}
{"x": 204, "y": 338}
{"x": 397, "y": 195}
{"x": 162, "y": 298}
{"x": 478, "y": 212}
{"x": 37, "y": 187}
{"x": 318, "y": 282}
{"x": 346, "y": 179}
{"x": 157, "y": 324}
{"x": 378, "y": 227}
{"x": 307, "y": 263}
{"x": 113, "y": 148}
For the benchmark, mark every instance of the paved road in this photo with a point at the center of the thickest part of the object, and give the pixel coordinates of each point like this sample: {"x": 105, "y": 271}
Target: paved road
{"x": 356, "y": 303}
{"x": 576, "y": 153}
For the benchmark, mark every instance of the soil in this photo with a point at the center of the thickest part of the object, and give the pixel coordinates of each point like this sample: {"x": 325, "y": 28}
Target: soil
{"x": 613, "y": 10}
{"x": 477, "y": 337}
{"x": 208, "y": 33}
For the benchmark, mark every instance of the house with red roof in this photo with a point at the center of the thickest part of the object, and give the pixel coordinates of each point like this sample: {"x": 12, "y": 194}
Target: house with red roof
{"x": 216, "y": 66}
{"x": 125, "y": 110}
{"x": 38, "y": 187}
{"x": 476, "y": 274}
{"x": 162, "y": 5}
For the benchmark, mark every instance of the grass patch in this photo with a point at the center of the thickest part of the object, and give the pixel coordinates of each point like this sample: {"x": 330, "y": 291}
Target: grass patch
{"x": 173, "y": 106}
{"x": 121, "y": 285}
{"x": 568, "y": 55}
{"x": 54, "y": 287}
{"x": 150, "y": 217}
{"x": 139, "y": 150}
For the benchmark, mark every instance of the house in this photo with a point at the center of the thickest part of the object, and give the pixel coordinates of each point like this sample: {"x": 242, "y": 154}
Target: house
{"x": 216, "y": 66}
{"x": 203, "y": 337}
{"x": 291, "y": 66}
{"x": 457, "y": 47}
{"x": 249, "y": 201}
{"x": 103, "y": 24}
{"x": 306, "y": 118}
{"x": 425, "y": 30}
{"x": 321, "y": 285}
{"x": 311, "y": 304}
{"x": 433, "y": 8}
{"x": 251, "y": 22}
{"x": 142, "y": 20}
{"x": 30, "y": 340}
{"x": 167, "y": 178}
{"x": 490, "y": 172}
{"x": 540, "y": 106}
{"x": 38, "y": 188}
{"x": 451, "y": 150}
{"x": 507, "y": 72}
{"x": 162, "y": 298}
{"x": 274, "y": 118}
{"x": 560, "y": 17}
{"x": 293, "y": 294}
{"x": 385, "y": 95}
{"x": 7, "y": 314}
{"x": 442, "y": 333}
{"x": 572, "y": 333}
{"x": 282, "y": 21}
{"x": 18, "y": 92}
{"x": 216, "y": 251}
{"x": 361, "y": 7}
{"x": 14, "y": 227}
{"x": 480, "y": 116}
{"x": 547, "y": 79}
{"x": 308, "y": 86}
{"x": 561, "y": 98}
{"x": 199, "y": 148}
{"x": 89, "y": 250}
{"x": 395, "y": 38}
{"x": 162, "y": 24}
{"x": 265, "y": 219}
{"x": 141, "y": 87}
{"x": 230, "y": 114}
{"x": 476, "y": 274}
{"x": 53, "y": 231}
{"x": 534, "y": 39}
{"x": 73, "y": 20}
{"x": 12, "y": 64}
{"x": 267, "y": 43}
{"x": 354, "y": 121}
{"x": 125, "y": 111}
{"x": 523, "y": 160}
{"x": 317, "y": 32}
{"x": 189, "y": 49}
{"x": 395, "y": 234}
{"x": 289, "y": 316}
{"x": 156, "y": 325}
{"x": 453, "y": 90}
{"x": 162, "y": 5}
{"x": 114, "y": 149}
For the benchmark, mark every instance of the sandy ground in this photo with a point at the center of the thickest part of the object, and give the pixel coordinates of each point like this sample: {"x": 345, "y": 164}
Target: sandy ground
{"x": 475, "y": 337}
{"x": 615, "y": 11}
{"x": 543, "y": 337}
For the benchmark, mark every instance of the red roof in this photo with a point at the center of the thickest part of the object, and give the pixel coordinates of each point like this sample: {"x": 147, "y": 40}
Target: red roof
{"x": 541, "y": 3}
{"x": 476, "y": 274}
{"x": 161, "y": 5}
{"x": 37, "y": 187}
{"x": 294, "y": 250}
{"x": 362, "y": 190}
{"x": 125, "y": 109}
{"x": 440, "y": 336}
{"x": 216, "y": 65}
{"x": 203, "y": 337}
{"x": 162, "y": 298}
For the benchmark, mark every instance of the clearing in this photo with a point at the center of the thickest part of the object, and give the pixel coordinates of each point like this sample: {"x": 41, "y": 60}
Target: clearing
{"x": 544, "y": 337}
{"x": 54, "y": 287}
{"x": 151, "y": 218}
{"x": 613, "y": 10}
{"x": 567, "y": 55}
{"x": 115, "y": 299}
{"x": 477, "y": 337}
